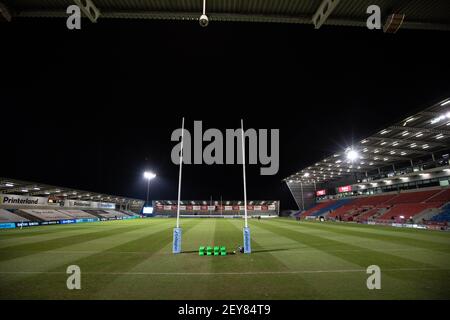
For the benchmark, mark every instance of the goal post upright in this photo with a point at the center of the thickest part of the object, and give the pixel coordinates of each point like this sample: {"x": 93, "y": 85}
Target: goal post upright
{"x": 247, "y": 242}
{"x": 177, "y": 233}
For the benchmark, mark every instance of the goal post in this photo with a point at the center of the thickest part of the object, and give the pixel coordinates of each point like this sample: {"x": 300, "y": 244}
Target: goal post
{"x": 177, "y": 232}
{"x": 246, "y": 231}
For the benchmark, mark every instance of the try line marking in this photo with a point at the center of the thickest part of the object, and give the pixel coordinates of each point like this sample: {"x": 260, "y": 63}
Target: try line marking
{"x": 223, "y": 273}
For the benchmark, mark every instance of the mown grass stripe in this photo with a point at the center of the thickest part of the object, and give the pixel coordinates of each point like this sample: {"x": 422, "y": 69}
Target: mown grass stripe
{"x": 343, "y": 230}
{"x": 22, "y": 250}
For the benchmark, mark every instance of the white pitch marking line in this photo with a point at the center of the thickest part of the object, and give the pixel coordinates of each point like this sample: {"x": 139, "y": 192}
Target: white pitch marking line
{"x": 224, "y": 273}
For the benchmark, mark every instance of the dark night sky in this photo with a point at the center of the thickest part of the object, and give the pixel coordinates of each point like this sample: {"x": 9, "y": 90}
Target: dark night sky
{"x": 92, "y": 109}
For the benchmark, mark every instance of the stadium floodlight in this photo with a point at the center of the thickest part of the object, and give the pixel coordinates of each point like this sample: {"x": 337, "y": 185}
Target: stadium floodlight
{"x": 352, "y": 155}
{"x": 149, "y": 176}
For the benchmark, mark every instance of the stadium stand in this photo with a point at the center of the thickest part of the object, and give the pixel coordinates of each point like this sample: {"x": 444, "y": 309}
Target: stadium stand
{"x": 413, "y": 197}
{"x": 46, "y": 215}
{"x": 443, "y": 216}
{"x": 390, "y": 207}
{"x": 374, "y": 200}
{"x": 407, "y": 210}
{"x": 316, "y": 208}
{"x": 331, "y": 207}
{"x": 7, "y": 216}
{"x": 108, "y": 214}
{"x": 442, "y": 196}
{"x": 78, "y": 214}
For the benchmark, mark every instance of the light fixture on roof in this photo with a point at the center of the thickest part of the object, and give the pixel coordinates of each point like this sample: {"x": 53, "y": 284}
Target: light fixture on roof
{"x": 385, "y": 131}
{"x": 9, "y": 185}
{"x": 405, "y": 133}
{"x": 392, "y": 152}
{"x": 291, "y": 181}
{"x": 376, "y": 151}
{"x": 413, "y": 145}
{"x": 149, "y": 175}
{"x": 394, "y": 144}
{"x": 408, "y": 120}
{"x": 352, "y": 155}
{"x": 440, "y": 118}
{"x": 403, "y": 153}
{"x": 383, "y": 143}
{"x": 24, "y": 190}
{"x": 445, "y": 103}
{"x": 364, "y": 141}
{"x": 425, "y": 146}
{"x": 36, "y": 188}
{"x": 306, "y": 175}
{"x": 439, "y": 136}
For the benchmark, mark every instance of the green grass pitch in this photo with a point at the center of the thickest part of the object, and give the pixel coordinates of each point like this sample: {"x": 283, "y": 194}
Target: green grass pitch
{"x": 290, "y": 260}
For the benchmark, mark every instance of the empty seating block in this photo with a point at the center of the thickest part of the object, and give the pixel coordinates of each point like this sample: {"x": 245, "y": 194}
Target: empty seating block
{"x": 413, "y": 197}
{"x": 318, "y": 207}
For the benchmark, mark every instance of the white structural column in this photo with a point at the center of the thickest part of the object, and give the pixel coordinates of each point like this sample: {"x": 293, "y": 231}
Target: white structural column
{"x": 247, "y": 242}
{"x": 177, "y": 233}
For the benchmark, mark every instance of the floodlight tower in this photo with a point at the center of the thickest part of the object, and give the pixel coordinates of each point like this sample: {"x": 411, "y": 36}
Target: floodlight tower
{"x": 149, "y": 176}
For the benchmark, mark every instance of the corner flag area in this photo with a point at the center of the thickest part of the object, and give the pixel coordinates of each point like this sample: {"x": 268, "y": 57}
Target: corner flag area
{"x": 132, "y": 259}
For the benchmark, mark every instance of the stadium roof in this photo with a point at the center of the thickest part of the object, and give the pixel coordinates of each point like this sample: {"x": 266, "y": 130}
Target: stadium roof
{"x": 216, "y": 202}
{"x": 26, "y": 188}
{"x": 419, "y": 14}
{"x": 421, "y": 134}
